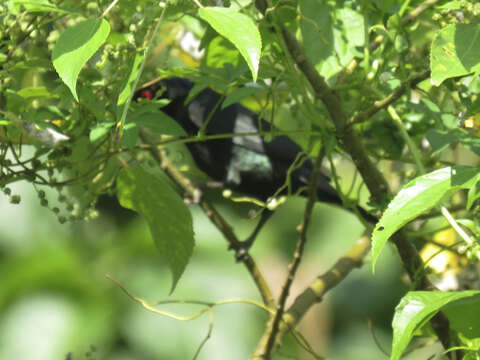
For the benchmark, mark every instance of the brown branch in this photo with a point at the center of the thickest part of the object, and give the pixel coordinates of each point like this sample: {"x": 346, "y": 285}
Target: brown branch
{"x": 266, "y": 347}
{"x": 371, "y": 175}
{"x": 192, "y": 192}
{"x": 323, "y": 283}
{"x": 374, "y": 180}
{"x": 412, "y": 15}
{"x": 378, "y": 105}
{"x": 315, "y": 292}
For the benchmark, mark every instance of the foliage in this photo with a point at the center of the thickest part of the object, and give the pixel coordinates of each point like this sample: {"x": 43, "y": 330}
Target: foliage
{"x": 390, "y": 86}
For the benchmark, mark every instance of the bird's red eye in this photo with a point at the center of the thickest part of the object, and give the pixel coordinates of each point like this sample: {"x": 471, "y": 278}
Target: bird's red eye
{"x": 146, "y": 94}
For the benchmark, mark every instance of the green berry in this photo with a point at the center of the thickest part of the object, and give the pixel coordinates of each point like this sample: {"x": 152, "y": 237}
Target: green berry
{"x": 15, "y": 199}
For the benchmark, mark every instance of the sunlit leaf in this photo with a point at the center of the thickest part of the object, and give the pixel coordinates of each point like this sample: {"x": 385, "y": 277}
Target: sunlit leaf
{"x": 239, "y": 29}
{"x": 418, "y": 196}
{"x": 455, "y": 52}
{"x": 75, "y": 47}
{"x": 418, "y": 307}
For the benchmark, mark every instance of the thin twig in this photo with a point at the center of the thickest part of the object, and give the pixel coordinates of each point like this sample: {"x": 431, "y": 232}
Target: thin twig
{"x": 297, "y": 257}
{"x": 375, "y": 339}
{"x": 110, "y": 7}
{"x": 456, "y": 227}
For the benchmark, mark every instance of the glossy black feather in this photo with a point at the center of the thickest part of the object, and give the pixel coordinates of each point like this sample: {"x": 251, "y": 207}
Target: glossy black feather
{"x": 246, "y": 164}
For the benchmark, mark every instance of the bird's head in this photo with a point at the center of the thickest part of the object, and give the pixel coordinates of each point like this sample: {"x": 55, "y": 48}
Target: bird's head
{"x": 169, "y": 88}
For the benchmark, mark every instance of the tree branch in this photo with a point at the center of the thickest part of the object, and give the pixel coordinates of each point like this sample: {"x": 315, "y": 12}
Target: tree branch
{"x": 314, "y": 293}
{"x": 374, "y": 180}
{"x": 265, "y": 349}
{"x": 391, "y": 98}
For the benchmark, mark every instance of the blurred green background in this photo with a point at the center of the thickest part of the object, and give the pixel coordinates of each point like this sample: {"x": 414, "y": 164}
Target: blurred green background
{"x": 56, "y": 303}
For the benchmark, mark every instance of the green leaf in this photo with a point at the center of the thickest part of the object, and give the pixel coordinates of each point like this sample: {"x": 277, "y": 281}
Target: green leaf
{"x": 440, "y": 139}
{"x": 418, "y": 196}
{"x": 464, "y": 316}
{"x": 167, "y": 216}
{"x": 451, "y": 5}
{"x": 473, "y": 194}
{"x": 127, "y": 89}
{"x": 130, "y": 136}
{"x": 159, "y": 123}
{"x": 100, "y": 130}
{"x": 224, "y": 60}
{"x": 239, "y": 29}
{"x": 75, "y": 46}
{"x": 40, "y": 6}
{"x": 331, "y": 35}
{"x": 418, "y": 307}
{"x": 455, "y": 52}
{"x": 36, "y": 92}
{"x": 239, "y": 94}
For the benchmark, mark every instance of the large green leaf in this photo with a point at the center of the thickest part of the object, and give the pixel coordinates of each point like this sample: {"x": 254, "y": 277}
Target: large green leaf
{"x": 75, "y": 46}
{"x": 239, "y": 29}
{"x": 331, "y": 35}
{"x": 418, "y": 196}
{"x": 455, "y": 52}
{"x": 417, "y": 307}
{"x": 167, "y": 216}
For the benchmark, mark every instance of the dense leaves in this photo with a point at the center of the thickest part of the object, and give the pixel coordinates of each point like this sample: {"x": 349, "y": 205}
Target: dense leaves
{"x": 387, "y": 91}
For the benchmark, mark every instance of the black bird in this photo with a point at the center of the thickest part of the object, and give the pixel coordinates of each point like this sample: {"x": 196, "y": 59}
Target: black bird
{"x": 247, "y": 164}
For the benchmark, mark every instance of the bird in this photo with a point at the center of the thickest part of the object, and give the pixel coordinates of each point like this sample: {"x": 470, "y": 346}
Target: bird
{"x": 249, "y": 165}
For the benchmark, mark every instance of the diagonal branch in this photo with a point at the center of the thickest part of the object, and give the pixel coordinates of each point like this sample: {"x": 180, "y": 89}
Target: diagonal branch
{"x": 391, "y": 98}
{"x": 376, "y": 183}
{"x": 266, "y": 346}
{"x": 314, "y": 293}
{"x": 323, "y": 283}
